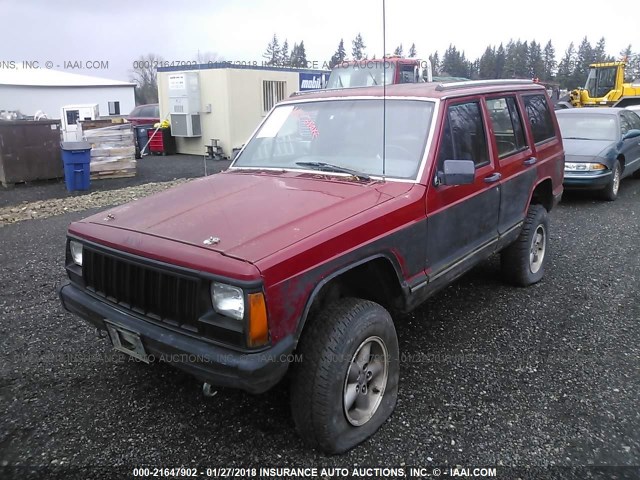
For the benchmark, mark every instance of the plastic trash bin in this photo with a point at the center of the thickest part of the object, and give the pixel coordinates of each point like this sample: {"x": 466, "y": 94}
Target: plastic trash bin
{"x": 142, "y": 137}
{"x": 76, "y": 158}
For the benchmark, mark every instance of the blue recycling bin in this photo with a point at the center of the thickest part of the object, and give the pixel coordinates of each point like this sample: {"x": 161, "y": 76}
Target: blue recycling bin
{"x": 76, "y": 157}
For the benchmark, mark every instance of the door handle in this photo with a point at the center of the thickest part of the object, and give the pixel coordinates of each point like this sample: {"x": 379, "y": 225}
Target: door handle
{"x": 530, "y": 161}
{"x": 493, "y": 178}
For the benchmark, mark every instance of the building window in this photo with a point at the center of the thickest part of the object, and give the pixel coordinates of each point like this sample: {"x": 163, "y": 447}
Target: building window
{"x": 272, "y": 93}
{"x": 114, "y": 108}
{"x": 72, "y": 116}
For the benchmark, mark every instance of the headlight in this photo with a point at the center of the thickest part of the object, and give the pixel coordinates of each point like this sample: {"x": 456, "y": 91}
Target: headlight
{"x": 228, "y": 300}
{"x": 76, "y": 252}
{"x": 584, "y": 167}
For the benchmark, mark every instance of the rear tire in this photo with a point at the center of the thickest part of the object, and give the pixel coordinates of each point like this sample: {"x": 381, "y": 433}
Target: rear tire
{"x": 610, "y": 192}
{"x": 346, "y": 385}
{"x": 523, "y": 262}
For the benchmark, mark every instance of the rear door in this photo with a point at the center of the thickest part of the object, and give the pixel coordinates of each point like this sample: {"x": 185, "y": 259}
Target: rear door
{"x": 515, "y": 159}
{"x": 543, "y": 132}
{"x": 462, "y": 220}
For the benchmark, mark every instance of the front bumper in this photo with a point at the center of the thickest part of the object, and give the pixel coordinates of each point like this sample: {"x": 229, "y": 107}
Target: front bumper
{"x": 252, "y": 372}
{"x": 589, "y": 180}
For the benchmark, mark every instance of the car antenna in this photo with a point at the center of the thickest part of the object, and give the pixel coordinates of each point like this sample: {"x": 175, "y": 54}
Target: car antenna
{"x": 384, "y": 91}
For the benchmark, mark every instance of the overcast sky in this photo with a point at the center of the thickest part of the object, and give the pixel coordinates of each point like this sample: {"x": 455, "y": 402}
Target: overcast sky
{"x": 120, "y": 31}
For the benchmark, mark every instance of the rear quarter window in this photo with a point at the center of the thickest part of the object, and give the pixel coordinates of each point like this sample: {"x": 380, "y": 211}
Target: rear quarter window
{"x": 539, "y": 117}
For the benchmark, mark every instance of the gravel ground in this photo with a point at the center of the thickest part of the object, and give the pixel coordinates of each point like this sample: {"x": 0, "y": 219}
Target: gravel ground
{"x": 491, "y": 375}
{"x": 150, "y": 169}
{"x": 101, "y": 198}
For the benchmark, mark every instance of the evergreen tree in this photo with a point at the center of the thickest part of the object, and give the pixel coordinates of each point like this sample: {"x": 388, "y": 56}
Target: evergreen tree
{"x": 487, "y": 64}
{"x": 566, "y": 68}
{"x": 358, "y": 48}
{"x": 501, "y": 57}
{"x": 632, "y": 69}
{"x": 474, "y": 70}
{"x": 584, "y": 57}
{"x": 299, "y": 56}
{"x": 535, "y": 61}
{"x": 398, "y": 50}
{"x": 549, "y": 61}
{"x": 285, "y": 59}
{"x": 272, "y": 53}
{"x": 516, "y": 60}
{"x": 435, "y": 63}
{"x": 599, "y": 52}
{"x": 302, "y": 55}
{"x": 412, "y": 51}
{"x": 509, "y": 60}
{"x": 339, "y": 56}
{"x": 454, "y": 63}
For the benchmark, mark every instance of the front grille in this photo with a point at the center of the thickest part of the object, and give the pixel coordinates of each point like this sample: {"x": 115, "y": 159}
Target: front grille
{"x": 159, "y": 294}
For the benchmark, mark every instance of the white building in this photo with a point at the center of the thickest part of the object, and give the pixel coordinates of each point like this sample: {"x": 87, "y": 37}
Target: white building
{"x": 32, "y": 90}
{"x": 224, "y": 101}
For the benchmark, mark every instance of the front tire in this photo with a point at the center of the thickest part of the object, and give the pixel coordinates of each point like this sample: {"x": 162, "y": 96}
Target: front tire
{"x": 346, "y": 385}
{"x": 610, "y": 192}
{"x": 523, "y": 262}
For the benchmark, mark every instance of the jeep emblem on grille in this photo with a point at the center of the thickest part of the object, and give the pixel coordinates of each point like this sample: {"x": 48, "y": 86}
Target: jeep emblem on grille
{"x": 211, "y": 241}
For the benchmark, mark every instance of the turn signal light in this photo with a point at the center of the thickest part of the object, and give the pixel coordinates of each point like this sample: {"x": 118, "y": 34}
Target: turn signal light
{"x": 258, "y": 333}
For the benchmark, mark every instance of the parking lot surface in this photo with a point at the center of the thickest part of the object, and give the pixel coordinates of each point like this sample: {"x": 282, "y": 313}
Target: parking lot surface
{"x": 490, "y": 374}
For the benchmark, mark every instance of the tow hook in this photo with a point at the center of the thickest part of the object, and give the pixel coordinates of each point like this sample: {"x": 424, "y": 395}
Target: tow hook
{"x": 208, "y": 390}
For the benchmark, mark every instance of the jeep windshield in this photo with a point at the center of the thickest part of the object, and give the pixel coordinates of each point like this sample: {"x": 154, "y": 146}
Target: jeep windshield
{"x": 364, "y": 73}
{"x": 344, "y": 136}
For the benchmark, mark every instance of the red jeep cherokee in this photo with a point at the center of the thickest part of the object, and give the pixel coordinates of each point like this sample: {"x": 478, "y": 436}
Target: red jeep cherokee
{"x": 331, "y": 217}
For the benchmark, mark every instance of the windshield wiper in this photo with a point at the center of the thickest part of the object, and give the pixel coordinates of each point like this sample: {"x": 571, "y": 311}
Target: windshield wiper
{"x": 578, "y": 138}
{"x": 373, "y": 78}
{"x": 328, "y": 167}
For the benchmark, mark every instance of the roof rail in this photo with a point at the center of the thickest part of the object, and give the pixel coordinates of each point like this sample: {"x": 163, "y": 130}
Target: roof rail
{"x": 478, "y": 83}
{"x": 299, "y": 92}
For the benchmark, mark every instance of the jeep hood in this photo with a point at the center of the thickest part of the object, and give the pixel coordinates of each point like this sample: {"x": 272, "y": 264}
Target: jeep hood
{"x": 249, "y": 216}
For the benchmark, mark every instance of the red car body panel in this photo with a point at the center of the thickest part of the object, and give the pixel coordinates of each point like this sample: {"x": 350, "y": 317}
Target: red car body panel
{"x": 136, "y": 119}
{"x": 238, "y": 209}
{"x": 163, "y": 250}
{"x": 368, "y": 234}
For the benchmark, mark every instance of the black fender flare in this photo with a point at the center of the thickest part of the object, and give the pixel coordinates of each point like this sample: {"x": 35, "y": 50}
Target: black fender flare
{"x": 389, "y": 257}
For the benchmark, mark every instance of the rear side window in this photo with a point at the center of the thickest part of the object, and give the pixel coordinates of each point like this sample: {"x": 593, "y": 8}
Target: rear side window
{"x": 507, "y": 125}
{"x": 634, "y": 119}
{"x": 539, "y": 117}
{"x": 625, "y": 126}
{"x": 148, "y": 111}
{"x": 463, "y": 136}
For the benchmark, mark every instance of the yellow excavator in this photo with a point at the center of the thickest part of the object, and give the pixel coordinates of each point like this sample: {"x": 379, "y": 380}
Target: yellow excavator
{"x": 605, "y": 87}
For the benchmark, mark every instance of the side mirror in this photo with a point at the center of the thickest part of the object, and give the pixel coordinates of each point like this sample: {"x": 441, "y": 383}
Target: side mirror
{"x": 631, "y": 134}
{"x": 457, "y": 172}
